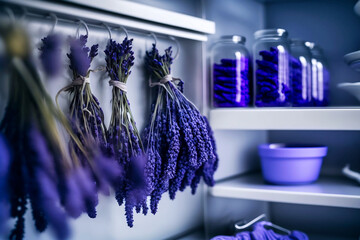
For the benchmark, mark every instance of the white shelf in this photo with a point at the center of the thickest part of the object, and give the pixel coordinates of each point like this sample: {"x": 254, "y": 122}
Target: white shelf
{"x": 357, "y": 8}
{"x": 327, "y": 191}
{"x": 285, "y": 118}
{"x": 125, "y": 13}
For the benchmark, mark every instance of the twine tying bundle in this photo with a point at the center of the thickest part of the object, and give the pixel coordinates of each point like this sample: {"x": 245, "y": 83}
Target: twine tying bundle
{"x": 79, "y": 81}
{"x": 165, "y": 79}
{"x": 120, "y": 85}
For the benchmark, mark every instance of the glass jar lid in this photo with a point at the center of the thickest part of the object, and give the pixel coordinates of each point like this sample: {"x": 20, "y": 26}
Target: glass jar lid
{"x": 314, "y": 48}
{"x": 310, "y": 45}
{"x": 276, "y": 32}
{"x": 234, "y": 38}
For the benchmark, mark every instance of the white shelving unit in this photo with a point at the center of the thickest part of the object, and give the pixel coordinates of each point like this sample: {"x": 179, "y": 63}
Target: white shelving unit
{"x": 327, "y": 191}
{"x": 285, "y": 119}
{"x": 357, "y": 8}
{"x": 329, "y": 208}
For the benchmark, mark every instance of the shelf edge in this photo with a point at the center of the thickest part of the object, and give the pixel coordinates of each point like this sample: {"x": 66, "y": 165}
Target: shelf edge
{"x": 286, "y": 119}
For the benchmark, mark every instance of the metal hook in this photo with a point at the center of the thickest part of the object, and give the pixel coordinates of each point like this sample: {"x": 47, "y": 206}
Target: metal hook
{"x": 154, "y": 36}
{"x": 81, "y": 22}
{"x": 177, "y": 46}
{"x": 10, "y": 13}
{"x": 288, "y": 232}
{"x": 25, "y": 13}
{"x": 246, "y": 225}
{"x": 56, "y": 20}
{"x": 262, "y": 216}
{"x": 125, "y": 31}
{"x": 108, "y": 29}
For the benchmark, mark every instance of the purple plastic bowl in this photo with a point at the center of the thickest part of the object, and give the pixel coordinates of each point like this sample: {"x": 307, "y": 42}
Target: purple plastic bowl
{"x": 291, "y": 164}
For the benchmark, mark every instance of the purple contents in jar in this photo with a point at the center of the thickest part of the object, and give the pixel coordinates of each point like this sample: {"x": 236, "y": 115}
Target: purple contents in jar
{"x": 301, "y": 87}
{"x": 320, "y": 86}
{"x": 231, "y": 83}
{"x": 272, "y": 79}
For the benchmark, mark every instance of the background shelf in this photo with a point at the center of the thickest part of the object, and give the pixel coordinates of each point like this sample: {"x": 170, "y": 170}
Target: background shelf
{"x": 285, "y": 119}
{"x": 327, "y": 191}
{"x": 357, "y": 8}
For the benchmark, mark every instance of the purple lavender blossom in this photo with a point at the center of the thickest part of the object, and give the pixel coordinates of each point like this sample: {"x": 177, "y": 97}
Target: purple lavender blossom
{"x": 50, "y": 54}
{"x": 50, "y": 204}
{"x": 87, "y": 120}
{"x": 181, "y": 169}
{"x": 38, "y": 161}
{"x": 42, "y": 187}
{"x": 122, "y": 133}
{"x": 73, "y": 203}
{"x": 88, "y": 191}
{"x": 17, "y": 190}
{"x": 135, "y": 188}
{"x": 109, "y": 169}
{"x": 208, "y": 169}
{"x": 270, "y": 91}
{"x": 4, "y": 170}
{"x": 119, "y": 59}
{"x": 173, "y": 143}
{"x": 81, "y": 56}
{"x": 179, "y": 144}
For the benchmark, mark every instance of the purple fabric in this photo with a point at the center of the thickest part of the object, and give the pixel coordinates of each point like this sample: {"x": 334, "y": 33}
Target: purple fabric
{"x": 231, "y": 76}
{"x": 50, "y": 54}
{"x": 301, "y": 85}
{"x": 177, "y": 139}
{"x": 4, "y": 169}
{"x": 272, "y": 79}
{"x": 321, "y": 87}
{"x": 259, "y": 232}
{"x": 80, "y": 55}
{"x": 123, "y": 138}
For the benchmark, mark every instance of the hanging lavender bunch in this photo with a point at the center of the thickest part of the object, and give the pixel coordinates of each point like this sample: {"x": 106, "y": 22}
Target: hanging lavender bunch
{"x": 50, "y": 54}
{"x": 178, "y": 139}
{"x": 123, "y": 135}
{"x": 4, "y": 170}
{"x": 87, "y": 121}
{"x": 38, "y": 159}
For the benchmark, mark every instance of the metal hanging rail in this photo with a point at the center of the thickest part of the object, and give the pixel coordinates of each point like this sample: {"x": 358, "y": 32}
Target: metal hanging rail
{"x": 201, "y": 28}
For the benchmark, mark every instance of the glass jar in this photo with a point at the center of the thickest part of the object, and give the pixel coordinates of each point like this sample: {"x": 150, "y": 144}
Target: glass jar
{"x": 230, "y": 72}
{"x": 300, "y": 73}
{"x": 320, "y": 76}
{"x": 272, "y": 68}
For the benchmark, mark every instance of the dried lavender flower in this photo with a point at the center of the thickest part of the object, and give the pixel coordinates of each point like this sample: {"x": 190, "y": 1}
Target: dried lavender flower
{"x": 29, "y": 122}
{"x": 178, "y": 139}
{"x": 122, "y": 133}
{"x": 4, "y": 171}
{"x": 80, "y": 55}
{"x": 50, "y": 54}
{"x": 40, "y": 169}
{"x": 95, "y": 172}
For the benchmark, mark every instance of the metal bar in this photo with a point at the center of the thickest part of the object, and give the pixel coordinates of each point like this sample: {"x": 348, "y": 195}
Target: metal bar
{"x": 98, "y": 17}
{"x": 149, "y": 13}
